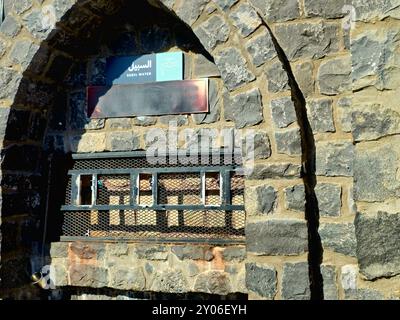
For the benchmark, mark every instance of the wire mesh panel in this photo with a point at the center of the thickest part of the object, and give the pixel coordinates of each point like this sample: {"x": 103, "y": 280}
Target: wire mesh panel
{"x": 182, "y": 188}
{"x": 203, "y": 204}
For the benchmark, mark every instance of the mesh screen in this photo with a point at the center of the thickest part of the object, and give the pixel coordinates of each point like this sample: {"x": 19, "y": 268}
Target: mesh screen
{"x": 201, "y": 193}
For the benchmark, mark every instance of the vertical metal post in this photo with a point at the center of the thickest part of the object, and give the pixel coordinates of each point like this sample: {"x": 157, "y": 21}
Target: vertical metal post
{"x": 1, "y": 11}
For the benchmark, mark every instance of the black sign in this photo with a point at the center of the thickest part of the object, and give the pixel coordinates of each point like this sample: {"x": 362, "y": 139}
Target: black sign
{"x": 157, "y": 98}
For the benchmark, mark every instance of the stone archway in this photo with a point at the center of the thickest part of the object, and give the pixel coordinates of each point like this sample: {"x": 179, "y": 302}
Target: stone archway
{"x": 268, "y": 80}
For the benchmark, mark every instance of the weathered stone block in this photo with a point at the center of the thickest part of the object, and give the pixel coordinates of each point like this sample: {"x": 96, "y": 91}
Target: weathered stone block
{"x": 329, "y": 199}
{"x": 344, "y": 107}
{"x": 225, "y": 4}
{"x": 245, "y": 109}
{"x": 59, "y": 249}
{"x": 277, "y": 78}
{"x": 261, "y": 279}
{"x": 334, "y": 76}
{"x": 312, "y": 40}
{"x": 123, "y": 141}
{"x": 330, "y": 288}
{"x": 373, "y": 121}
{"x": 144, "y": 121}
{"x": 304, "y": 75}
{"x": 288, "y": 142}
{"x": 190, "y": 10}
{"x": 283, "y": 112}
{"x": 375, "y": 171}
{"x": 349, "y": 274}
{"x": 274, "y": 171}
{"x": 84, "y": 275}
{"x": 277, "y": 237}
{"x": 88, "y": 142}
{"x": 378, "y": 238}
{"x": 22, "y": 6}
{"x": 335, "y": 159}
{"x": 33, "y": 22}
{"x": 119, "y": 123}
{"x": 328, "y": 9}
{"x": 260, "y": 199}
{"x": 245, "y": 18}
{"x": 295, "y": 198}
{"x": 87, "y": 251}
{"x": 261, "y": 147}
{"x": 295, "y": 281}
{"x": 213, "y": 32}
{"x": 338, "y": 237}
{"x": 213, "y": 282}
{"x": 375, "y": 10}
{"x": 233, "y": 67}
{"x": 320, "y": 115}
{"x": 10, "y": 27}
{"x": 234, "y": 253}
{"x": 261, "y": 48}
{"x": 278, "y": 10}
{"x": 204, "y": 68}
{"x": 127, "y": 279}
{"x": 23, "y": 52}
{"x": 151, "y": 252}
{"x": 193, "y": 252}
{"x": 170, "y": 281}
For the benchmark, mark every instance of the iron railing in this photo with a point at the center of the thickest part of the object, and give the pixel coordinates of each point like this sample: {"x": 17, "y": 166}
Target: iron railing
{"x": 125, "y": 196}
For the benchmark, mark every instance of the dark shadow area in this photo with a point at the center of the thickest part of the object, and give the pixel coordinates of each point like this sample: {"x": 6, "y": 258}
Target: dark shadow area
{"x": 315, "y": 249}
{"x": 48, "y": 118}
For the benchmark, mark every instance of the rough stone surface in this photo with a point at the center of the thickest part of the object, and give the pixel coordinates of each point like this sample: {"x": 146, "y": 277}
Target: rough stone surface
{"x": 234, "y": 253}
{"x": 295, "y": 198}
{"x": 260, "y": 199}
{"x": 339, "y": 237}
{"x": 295, "y": 281}
{"x": 328, "y": 9}
{"x": 190, "y": 10}
{"x": 329, "y": 282}
{"x": 277, "y": 237}
{"x": 288, "y": 142}
{"x": 261, "y": 48}
{"x": 376, "y": 9}
{"x": 245, "y": 109}
{"x": 344, "y": 106}
{"x": 245, "y": 18}
{"x": 335, "y": 159}
{"x": 378, "y": 252}
{"x": 329, "y": 199}
{"x": 10, "y": 27}
{"x": 259, "y": 149}
{"x": 59, "y": 250}
{"x": 204, "y": 68}
{"x": 375, "y": 175}
{"x": 122, "y": 141}
{"x": 88, "y": 142}
{"x": 84, "y": 275}
{"x": 128, "y": 279}
{"x": 23, "y": 52}
{"x": 334, "y": 76}
{"x": 151, "y": 252}
{"x": 312, "y": 40}
{"x": 213, "y": 32}
{"x": 277, "y": 78}
{"x": 119, "y": 123}
{"x": 144, "y": 121}
{"x": 374, "y": 120}
{"x": 233, "y": 67}
{"x": 349, "y": 274}
{"x": 213, "y": 282}
{"x": 261, "y": 280}
{"x": 225, "y": 4}
{"x": 278, "y": 10}
{"x": 320, "y": 115}
{"x": 275, "y": 171}
{"x": 33, "y": 22}
{"x": 170, "y": 280}
{"x": 193, "y": 252}
{"x": 283, "y": 112}
{"x": 304, "y": 75}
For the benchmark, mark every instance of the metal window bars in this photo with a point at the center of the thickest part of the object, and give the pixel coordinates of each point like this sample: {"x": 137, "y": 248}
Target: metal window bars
{"x": 1, "y": 11}
{"x": 124, "y": 196}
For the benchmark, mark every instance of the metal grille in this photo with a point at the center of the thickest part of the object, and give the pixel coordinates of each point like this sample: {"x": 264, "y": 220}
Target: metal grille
{"x": 170, "y": 203}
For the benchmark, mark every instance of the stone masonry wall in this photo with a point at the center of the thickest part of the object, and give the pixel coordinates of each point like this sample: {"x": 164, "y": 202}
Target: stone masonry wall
{"x": 347, "y": 74}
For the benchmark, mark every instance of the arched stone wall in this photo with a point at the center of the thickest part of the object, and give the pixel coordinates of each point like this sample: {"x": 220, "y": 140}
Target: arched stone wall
{"x": 278, "y": 60}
